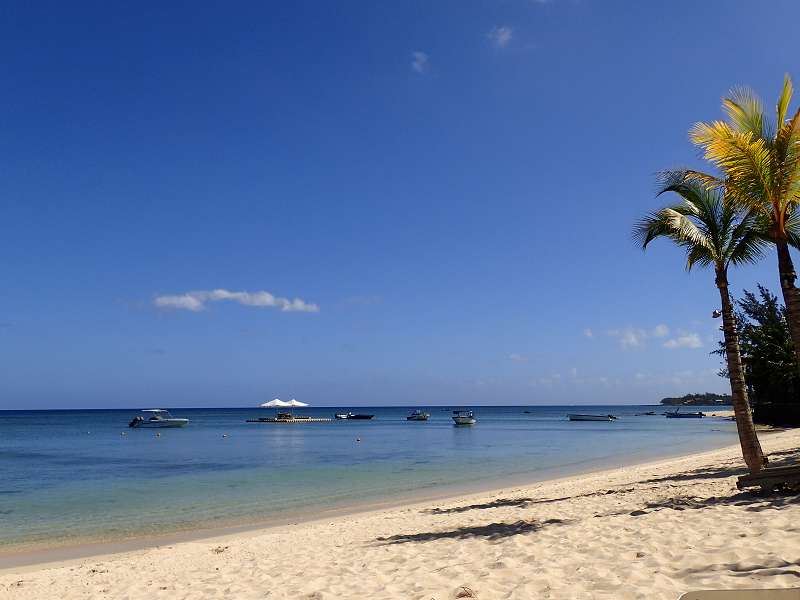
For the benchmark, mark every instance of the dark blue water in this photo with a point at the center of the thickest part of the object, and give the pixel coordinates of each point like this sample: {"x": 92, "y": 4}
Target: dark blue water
{"x": 71, "y": 476}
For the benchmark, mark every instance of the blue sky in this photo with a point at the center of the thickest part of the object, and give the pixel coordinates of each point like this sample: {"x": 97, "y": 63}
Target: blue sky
{"x": 397, "y": 203}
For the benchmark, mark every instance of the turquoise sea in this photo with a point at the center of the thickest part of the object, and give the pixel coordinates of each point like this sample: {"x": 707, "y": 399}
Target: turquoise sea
{"x": 72, "y": 476}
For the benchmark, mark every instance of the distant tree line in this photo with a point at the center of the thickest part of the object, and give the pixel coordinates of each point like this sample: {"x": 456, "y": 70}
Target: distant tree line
{"x": 707, "y": 399}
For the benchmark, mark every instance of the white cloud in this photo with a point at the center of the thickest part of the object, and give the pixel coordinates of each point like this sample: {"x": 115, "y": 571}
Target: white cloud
{"x": 420, "y": 62}
{"x": 684, "y": 340}
{"x": 629, "y": 337}
{"x": 196, "y": 301}
{"x": 500, "y": 36}
{"x": 588, "y": 333}
{"x": 661, "y": 331}
{"x": 518, "y": 357}
{"x": 635, "y": 337}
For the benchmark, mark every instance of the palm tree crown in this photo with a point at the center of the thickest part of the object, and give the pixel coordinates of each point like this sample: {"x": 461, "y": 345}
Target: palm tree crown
{"x": 759, "y": 159}
{"x": 711, "y": 230}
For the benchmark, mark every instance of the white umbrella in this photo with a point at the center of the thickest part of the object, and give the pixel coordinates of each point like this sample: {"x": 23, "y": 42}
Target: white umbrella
{"x": 294, "y": 402}
{"x": 277, "y": 403}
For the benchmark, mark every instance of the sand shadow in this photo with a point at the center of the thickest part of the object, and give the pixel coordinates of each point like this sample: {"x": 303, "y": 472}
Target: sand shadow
{"x": 750, "y": 501}
{"x": 776, "y": 459}
{"x": 520, "y": 502}
{"x": 492, "y": 532}
{"x": 499, "y": 503}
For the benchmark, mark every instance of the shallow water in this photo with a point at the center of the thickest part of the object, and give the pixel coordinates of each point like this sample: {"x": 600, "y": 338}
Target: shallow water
{"x": 71, "y": 476}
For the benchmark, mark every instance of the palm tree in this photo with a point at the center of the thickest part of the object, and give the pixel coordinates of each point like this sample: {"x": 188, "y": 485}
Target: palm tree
{"x": 713, "y": 233}
{"x": 759, "y": 163}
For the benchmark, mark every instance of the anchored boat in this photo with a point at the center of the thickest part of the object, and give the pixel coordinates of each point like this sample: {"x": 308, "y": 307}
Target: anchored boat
{"x": 352, "y": 417}
{"x": 157, "y": 417}
{"x": 684, "y": 415}
{"x": 463, "y": 417}
{"x": 576, "y": 417}
{"x": 418, "y": 415}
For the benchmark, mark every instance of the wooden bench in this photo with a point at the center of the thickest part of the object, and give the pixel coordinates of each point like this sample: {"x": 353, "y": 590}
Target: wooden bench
{"x": 771, "y": 478}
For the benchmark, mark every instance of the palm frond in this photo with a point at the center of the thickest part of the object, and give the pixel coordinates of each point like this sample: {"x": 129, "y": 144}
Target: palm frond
{"x": 787, "y": 161}
{"x": 792, "y": 227}
{"x": 710, "y": 182}
{"x": 745, "y": 112}
{"x": 745, "y": 159}
{"x": 695, "y": 255}
{"x": 783, "y": 100}
{"x": 748, "y": 241}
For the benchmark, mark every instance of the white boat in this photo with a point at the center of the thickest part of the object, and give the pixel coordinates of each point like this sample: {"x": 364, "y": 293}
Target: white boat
{"x": 157, "y": 417}
{"x": 463, "y": 417}
{"x": 418, "y": 415}
{"x": 576, "y": 417}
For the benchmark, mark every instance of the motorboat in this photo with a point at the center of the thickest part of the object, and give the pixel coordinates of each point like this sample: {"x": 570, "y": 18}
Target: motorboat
{"x": 353, "y": 417}
{"x": 578, "y": 417}
{"x": 157, "y": 417}
{"x": 684, "y": 415}
{"x": 463, "y": 417}
{"x": 418, "y": 415}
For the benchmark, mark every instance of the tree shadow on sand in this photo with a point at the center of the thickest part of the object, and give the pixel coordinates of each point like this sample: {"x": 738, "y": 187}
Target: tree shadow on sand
{"x": 492, "y": 532}
{"x": 776, "y": 459}
{"x": 750, "y": 501}
{"x": 520, "y": 502}
{"x": 499, "y": 503}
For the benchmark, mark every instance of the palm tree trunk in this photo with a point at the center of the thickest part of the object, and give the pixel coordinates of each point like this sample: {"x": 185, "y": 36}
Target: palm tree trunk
{"x": 751, "y": 448}
{"x": 791, "y": 295}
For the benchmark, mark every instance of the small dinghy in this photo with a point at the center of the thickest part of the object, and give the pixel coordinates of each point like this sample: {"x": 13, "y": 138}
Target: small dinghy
{"x": 418, "y": 415}
{"x": 576, "y": 417}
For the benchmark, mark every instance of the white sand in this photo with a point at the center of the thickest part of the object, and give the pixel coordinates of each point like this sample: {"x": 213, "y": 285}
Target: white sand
{"x": 651, "y": 531}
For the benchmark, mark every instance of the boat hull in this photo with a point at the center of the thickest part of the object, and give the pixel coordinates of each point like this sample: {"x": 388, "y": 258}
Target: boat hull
{"x": 352, "y": 417}
{"x": 464, "y": 420}
{"x": 161, "y": 424}
{"x": 685, "y": 415}
{"x": 590, "y": 417}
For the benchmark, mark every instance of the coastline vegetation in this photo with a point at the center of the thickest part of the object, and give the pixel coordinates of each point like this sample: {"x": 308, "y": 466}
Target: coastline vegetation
{"x": 707, "y": 399}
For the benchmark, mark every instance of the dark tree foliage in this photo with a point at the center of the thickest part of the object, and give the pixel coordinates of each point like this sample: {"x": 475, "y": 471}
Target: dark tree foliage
{"x": 768, "y": 356}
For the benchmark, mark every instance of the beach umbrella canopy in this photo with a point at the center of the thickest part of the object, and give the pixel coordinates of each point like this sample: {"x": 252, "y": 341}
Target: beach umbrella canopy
{"x": 294, "y": 402}
{"x": 277, "y": 403}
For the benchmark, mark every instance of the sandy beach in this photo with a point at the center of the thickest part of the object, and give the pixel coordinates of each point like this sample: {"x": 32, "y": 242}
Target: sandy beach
{"x": 650, "y": 531}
